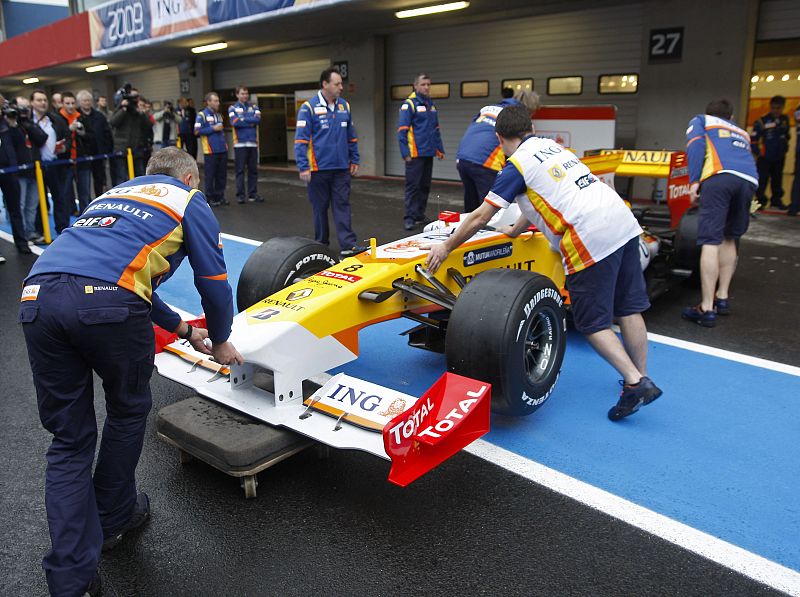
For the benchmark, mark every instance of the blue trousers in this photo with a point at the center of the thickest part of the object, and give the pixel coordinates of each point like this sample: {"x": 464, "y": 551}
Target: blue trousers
{"x": 82, "y": 175}
{"x": 246, "y": 156}
{"x": 74, "y": 326}
{"x": 331, "y": 188}
{"x": 770, "y": 172}
{"x": 477, "y": 180}
{"x": 794, "y": 207}
{"x": 215, "y": 166}
{"x": 418, "y": 186}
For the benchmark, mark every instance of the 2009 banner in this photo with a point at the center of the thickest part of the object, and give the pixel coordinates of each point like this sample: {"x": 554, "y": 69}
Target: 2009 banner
{"x": 122, "y": 23}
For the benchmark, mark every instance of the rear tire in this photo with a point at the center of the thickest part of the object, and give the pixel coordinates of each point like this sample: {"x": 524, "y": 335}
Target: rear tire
{"x": 278, "y": 263}
{"x": 508, "y": 329}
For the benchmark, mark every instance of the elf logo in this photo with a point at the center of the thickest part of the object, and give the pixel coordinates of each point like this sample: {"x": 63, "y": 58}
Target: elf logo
{"x": 96, "y": 222}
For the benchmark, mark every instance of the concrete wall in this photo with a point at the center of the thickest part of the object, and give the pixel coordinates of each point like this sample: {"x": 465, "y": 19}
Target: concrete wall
{"x": 717, "y": 59}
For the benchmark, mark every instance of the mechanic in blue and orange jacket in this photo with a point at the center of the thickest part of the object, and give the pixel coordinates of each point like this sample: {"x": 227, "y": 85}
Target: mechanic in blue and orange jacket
{"x": 794, "y": 207}
{"x": 245, "y": 118}
{"x": 89, "y": 304}
{"x": 722, "y": 176}
{"x": 208, "y": 126}
{"x": 770, "y": 142}
{"x": 480, "y": 157}
{"x": 326, "y": 149}
{"x": 420, "y": 140}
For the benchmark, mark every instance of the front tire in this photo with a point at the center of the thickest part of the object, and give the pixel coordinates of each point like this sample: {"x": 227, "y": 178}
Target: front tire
{"x": 508, "y": 328}
{"x": 278, "y": 263}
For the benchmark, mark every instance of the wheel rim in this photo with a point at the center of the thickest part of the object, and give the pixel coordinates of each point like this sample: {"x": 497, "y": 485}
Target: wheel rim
{"x": 539, "y": 352}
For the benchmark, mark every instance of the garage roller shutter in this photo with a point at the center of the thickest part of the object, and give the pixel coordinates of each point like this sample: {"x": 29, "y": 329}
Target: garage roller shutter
{"x": 587, "y": 43}
{"x": 157, "y": 85}
{"x": 270, "y": 69}
{"x": 778, "y": 19}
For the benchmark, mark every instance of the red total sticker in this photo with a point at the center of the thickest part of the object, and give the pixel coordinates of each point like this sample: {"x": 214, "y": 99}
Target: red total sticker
{"x": 338, "y": 276}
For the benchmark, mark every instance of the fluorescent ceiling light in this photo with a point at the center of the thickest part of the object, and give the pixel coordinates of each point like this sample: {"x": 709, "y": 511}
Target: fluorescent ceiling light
{"x": 30, "y": 80}
{"x": 429, "y": 10}
{"x": 210, "y": 48}
{"x": 96, "y": 68}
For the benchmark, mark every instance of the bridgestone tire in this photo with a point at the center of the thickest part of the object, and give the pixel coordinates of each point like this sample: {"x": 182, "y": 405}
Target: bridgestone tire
{"x": 278, "y": 263}
{"x": 687, "y": 253}
{"x": 507, "y": 328}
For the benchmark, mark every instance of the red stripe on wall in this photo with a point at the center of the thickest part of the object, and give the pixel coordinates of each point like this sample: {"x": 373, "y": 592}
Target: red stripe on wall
{"x": 64, "y": 41}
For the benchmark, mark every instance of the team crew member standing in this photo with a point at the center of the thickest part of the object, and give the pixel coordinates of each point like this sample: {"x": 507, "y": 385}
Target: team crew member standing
{"x": 722, "y": 174}
{"x": 244, "y": 118}
{"x": 326, "y": 149}
{"x": 208, "y": 126}
{"x": 794, "y": 207}
{"x": 770, "y": 142}
{"x": 420, "y": 140}
{"x": 480, "y": 156}
{"x": 598, "y": 238}
{"x": 88, "y": 305}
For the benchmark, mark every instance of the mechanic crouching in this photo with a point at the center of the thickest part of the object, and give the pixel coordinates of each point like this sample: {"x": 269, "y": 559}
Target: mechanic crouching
{"x": 598, "y": 238}
{"x": 88, "y": 305}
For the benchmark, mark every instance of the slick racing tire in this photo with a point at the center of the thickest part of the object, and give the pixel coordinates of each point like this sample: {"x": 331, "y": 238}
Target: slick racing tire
{"x": 508, "y": 328}
{"x": 687, "y": 253}
{"x": 278, "y": 263}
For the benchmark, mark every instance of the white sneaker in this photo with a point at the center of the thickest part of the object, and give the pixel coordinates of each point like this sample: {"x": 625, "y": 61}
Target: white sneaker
{"x": 2, "y": 259}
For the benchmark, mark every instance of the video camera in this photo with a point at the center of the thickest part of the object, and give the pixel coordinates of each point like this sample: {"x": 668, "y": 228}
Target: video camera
{"x": 125, "y": 93}
{"x": 11, "y": 110}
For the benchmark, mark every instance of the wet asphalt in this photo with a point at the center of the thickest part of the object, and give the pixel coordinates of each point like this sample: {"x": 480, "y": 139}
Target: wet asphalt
{"x": 334, "y": 525}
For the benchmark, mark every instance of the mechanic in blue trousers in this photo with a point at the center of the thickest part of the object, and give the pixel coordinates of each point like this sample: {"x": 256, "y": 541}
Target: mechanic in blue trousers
{"x": 598, "y": 238}
{"x": 770, "y": 142}
{"x": 326, "y": 149}
{"x": 88, "y": 305}
{"x": 208, "y": 126}
{"x": 794, "y": 207}
{"x": 723, "y": 178}
{"x": 245, "y": 118}
{"x": 420, "y": 140}
{"x": 480, "y": 156}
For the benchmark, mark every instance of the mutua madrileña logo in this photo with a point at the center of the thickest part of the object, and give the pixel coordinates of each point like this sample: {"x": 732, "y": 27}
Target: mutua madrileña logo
{"x": 478, "y": 256}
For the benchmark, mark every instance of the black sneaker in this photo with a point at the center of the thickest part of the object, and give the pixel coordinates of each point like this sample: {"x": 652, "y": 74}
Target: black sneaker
{"x": 722, "y": 306}
{"x": 634, "y": 397}
{"x": 352, "y": 251}
{"x": 95, "y": 588}
{"x": 256, "y": 199}
{"x": 240, "y": 200}
{"x": 141, "y": 513}
{"x": 409, "y": 226}
{"x": 708, "y": 319}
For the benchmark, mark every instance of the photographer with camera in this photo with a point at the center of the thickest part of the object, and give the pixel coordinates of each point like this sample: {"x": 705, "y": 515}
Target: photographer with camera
{"x": 102, "y": 141}
{"x": 26, "y": 135}
{"x": 9, "y": 184}
{"x": 82, "y": 145}
{"x": 56, "y": 147}
{"x": 130, "y": 129}
{"x": 167, "y": 122}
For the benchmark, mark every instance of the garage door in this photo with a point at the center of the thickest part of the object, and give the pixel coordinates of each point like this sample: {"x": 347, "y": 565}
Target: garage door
{"x": 278, "y": 68}
{"x": 778, "y": 19}
{"x": 157, "y": 85}
{"x": 588, "y": 43}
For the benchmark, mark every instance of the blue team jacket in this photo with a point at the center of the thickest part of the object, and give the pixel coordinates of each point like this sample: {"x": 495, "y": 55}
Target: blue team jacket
{"x": 211, "y": 141}
{"x": 136, "y": 235}
{"x": 770, "y": 139}
{"x": 325, "y": 138}
{"x": 479, "y": 144}
{"x": 244, "y": 118}
{"x": 418, "y": 128}
{"x": 715, "y": 145}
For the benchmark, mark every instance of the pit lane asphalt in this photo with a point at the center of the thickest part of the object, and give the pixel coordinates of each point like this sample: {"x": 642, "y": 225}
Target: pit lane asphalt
{"x": 335, "y": 526}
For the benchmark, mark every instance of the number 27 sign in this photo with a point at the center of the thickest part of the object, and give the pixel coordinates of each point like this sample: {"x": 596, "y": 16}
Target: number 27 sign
{"x": 666, "y": 44}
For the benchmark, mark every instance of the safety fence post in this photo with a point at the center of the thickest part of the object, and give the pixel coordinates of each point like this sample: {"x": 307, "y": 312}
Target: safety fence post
{"x": 130, "y": 164}
{"x": 43, "y": 203}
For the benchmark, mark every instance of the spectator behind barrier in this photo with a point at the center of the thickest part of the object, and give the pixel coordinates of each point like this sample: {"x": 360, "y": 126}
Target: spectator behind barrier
{"x": 9, "y": 185}
{"x": 102, "y": 139}
{"x": 130, "y": 129}
{"x": 82, "y": 146}
{"x": 165, "y": 130}
{"x": 27, "y": 135}
{"x": 56, "y": 147}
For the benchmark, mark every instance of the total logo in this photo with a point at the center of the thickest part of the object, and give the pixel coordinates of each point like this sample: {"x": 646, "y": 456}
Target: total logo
{"x": 96, "y": 222}
{"x": 338, "y": 276}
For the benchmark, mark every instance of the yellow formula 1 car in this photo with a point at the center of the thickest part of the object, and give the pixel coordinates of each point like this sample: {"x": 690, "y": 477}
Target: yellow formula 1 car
{"x": 496, "y": 309}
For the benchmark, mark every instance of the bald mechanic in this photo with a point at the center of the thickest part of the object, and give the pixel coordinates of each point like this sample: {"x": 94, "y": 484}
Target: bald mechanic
{"x": 598, "y": 238}
{"x": 88, "y": 305}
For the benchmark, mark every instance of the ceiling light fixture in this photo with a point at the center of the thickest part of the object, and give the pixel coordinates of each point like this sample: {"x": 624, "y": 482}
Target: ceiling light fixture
{"x": 754, "y": 79}
{"x": 210, "y": 48}
{"x": 770, "y": 78}
{"x": 785, "y": 77}
{"x": 96, "y": 68}
{"x": 30, "y": 80}
{"x": 430, "y": 10}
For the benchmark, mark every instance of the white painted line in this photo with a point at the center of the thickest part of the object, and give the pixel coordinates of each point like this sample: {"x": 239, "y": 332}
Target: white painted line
{"x": 37, "y": 250}
{"x": 726, "y": 554}
{"x": 241, "y": 239}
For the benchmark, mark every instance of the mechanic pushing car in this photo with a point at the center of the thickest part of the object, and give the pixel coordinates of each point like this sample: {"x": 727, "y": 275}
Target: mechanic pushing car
{"x": 88, "y": 305}
{"x": 598, "y": 238}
